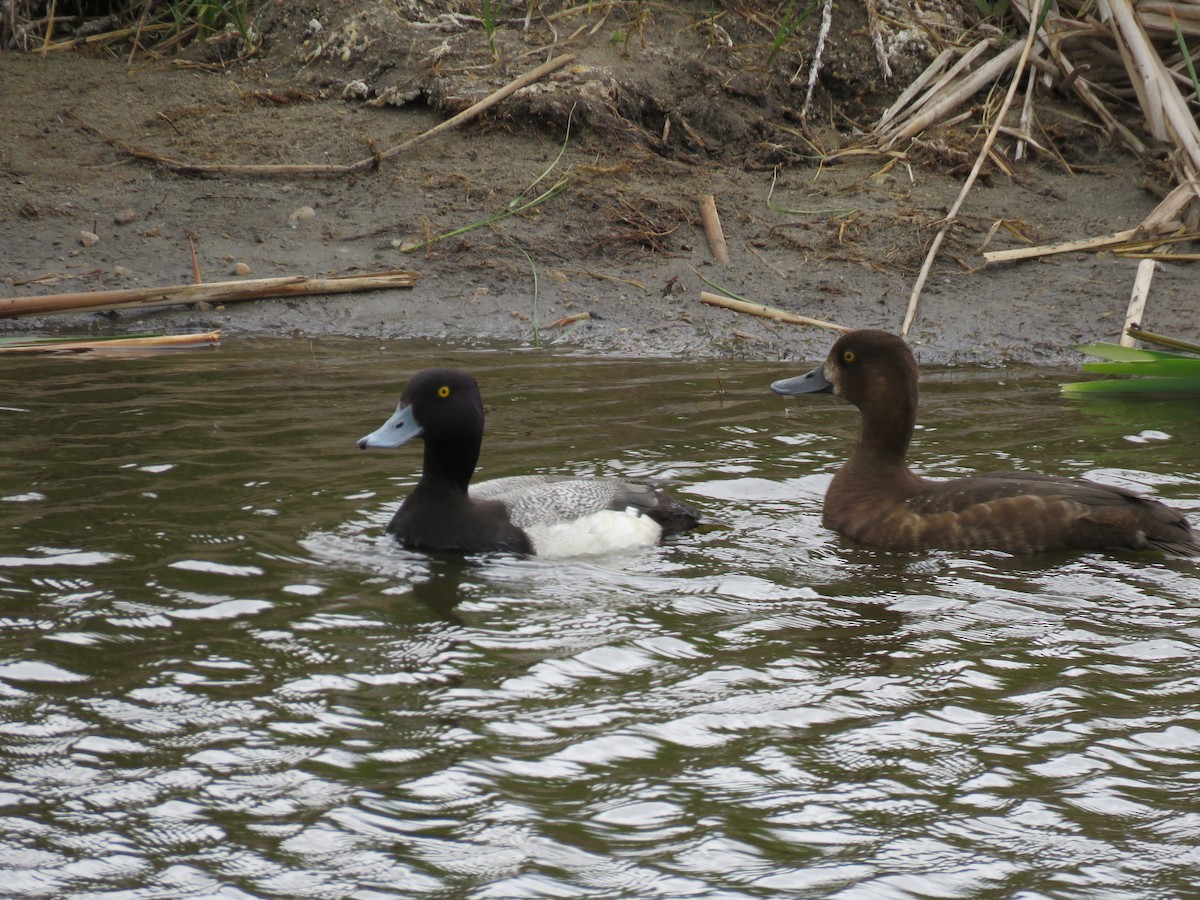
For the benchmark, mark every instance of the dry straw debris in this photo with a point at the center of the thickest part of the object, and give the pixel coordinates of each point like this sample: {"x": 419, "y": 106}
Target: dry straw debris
{"x": 1104, "y": 51}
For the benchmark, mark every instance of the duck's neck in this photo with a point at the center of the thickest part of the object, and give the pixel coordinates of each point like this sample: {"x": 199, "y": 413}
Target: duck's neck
{"x": 449, "y": 464}
{"x": 885, "y": 435}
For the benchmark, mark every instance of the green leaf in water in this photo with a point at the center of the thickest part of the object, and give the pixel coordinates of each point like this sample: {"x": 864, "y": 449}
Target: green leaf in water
{"x": 1128, "y": 354}
{"x": 1179, "y": 385}
{"x": 1173, "y": 367}
{"x": 1154, "y": 371}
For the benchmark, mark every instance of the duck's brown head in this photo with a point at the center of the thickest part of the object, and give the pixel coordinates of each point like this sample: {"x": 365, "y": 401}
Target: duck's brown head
{"x": 876, "y": 372}
{"x": 870, "y": 368}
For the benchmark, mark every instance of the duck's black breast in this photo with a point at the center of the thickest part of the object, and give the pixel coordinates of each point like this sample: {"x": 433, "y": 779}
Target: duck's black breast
{"x": 431, "y": 519}
{"x": 1017, "y": 512}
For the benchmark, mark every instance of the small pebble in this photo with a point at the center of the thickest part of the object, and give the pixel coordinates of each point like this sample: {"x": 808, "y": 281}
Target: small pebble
{"x": 125, "y": 217}
{"x": 301, "y": 214}
{"x": 89, "y": 238}
{"x": 121, "y": 272}
{"x": 240, "y": 269}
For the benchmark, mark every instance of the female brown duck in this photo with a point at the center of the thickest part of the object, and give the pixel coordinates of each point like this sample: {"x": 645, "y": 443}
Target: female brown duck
{"x": 875, "y": 499}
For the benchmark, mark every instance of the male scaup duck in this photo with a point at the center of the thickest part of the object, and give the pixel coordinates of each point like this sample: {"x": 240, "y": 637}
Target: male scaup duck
{"x": 876, "y": 500}
{"x": 546, "y": 515}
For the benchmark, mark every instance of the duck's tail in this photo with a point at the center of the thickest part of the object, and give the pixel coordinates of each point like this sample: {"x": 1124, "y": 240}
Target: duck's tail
{"x": 673, "y": 515}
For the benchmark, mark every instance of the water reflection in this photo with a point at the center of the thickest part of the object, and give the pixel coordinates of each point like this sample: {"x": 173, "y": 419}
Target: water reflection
{"x": 217, "y": 677}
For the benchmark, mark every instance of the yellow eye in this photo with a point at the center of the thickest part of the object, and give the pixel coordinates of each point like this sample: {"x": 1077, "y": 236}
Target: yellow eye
{"x": 848, "y": 356}
{"x": 444, "y": 391}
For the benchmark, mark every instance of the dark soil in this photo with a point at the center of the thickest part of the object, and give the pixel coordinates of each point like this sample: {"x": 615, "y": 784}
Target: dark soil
{"x": 665, "y": 103}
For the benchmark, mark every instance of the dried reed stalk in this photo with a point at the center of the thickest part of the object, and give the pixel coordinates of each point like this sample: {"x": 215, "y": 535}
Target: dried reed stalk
{"x": 712, "y": 229}
{"x": 1137, "y": 301}
{"x": 1093, "y": 243}
{"x": 150, "y": 342}
{"x": 1026, "y": 47}
{"x": 951, "y": 98}
{"x": 1164, "y": 340}
{"x": 767, "y": 312}
{"x": 214, "y": 292}
{"x": 818, "y": 56}
{"x": 1134, "y": 241}
{"x": 1166, "y": 110}
{"x": 885, "y": 67}
{"x": 371, "y": 162}
{"x": 937, "y": 89}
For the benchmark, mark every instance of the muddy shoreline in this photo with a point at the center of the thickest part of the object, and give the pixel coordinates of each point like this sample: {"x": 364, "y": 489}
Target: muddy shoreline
{"x": 622, "y": 241}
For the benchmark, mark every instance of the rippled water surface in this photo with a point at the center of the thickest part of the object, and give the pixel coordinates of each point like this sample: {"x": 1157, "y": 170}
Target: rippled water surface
{"x": 217, "y": 678}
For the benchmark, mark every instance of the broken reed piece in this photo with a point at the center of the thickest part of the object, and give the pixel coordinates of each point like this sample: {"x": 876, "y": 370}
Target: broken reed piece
{"x": 196, "y": 277}
{"x": 149, "y": 342}
{"x": 712, "y": 229}
{"x": 1131, "y": 241}
{"x": 214, "y": 292}
{"x": 767, "y": 312}
{"x": 568, "y": 320}
{"x": 1137, "y": 301}
{"x": 1163, "y": 340}
{"x": 1093, "y": 243}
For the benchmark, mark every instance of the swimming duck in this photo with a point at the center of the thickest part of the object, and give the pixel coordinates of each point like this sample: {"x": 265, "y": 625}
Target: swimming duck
{"x": 875, "y": 499}
{"x": 546, "y": 515}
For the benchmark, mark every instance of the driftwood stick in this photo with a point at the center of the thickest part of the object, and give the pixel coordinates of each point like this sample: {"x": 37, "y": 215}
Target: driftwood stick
{"x": 213, "y": 292}
{"x": 712, "y": 229}
{"x": 371, "y": 162}
{"x": 911, "y": 312}
{"x": 1137, "y": 301}
{"x": 767, "y": 312}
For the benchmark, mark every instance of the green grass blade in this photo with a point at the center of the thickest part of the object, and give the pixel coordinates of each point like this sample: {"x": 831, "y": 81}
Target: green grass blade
{"x": 1179, "y": 385}
{"x": 537, "y": 332}
{"x": 836, "y": 211}
{"x": 1168, "y": 367}
{"x": 1117, "y": 353}
{"x": 516, "y": 201}
{"x": 1187, "y": 55}
{"x": 718, "y": 288}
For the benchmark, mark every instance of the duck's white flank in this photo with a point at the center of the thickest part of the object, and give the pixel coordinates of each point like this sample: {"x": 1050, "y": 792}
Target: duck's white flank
{"x": 607, "y": 531}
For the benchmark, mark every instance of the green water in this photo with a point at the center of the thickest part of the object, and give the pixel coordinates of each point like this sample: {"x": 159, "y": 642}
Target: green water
{"x": 217, "y": 678}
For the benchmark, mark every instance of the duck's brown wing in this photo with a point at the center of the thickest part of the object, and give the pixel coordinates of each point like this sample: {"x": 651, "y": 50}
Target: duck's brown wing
{"x": 1028, "y": 512}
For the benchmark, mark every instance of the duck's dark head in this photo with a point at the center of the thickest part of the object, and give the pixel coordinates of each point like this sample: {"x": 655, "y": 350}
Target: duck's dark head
{"x": 869, "y": 368}
{"x": 439, "y": 405}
